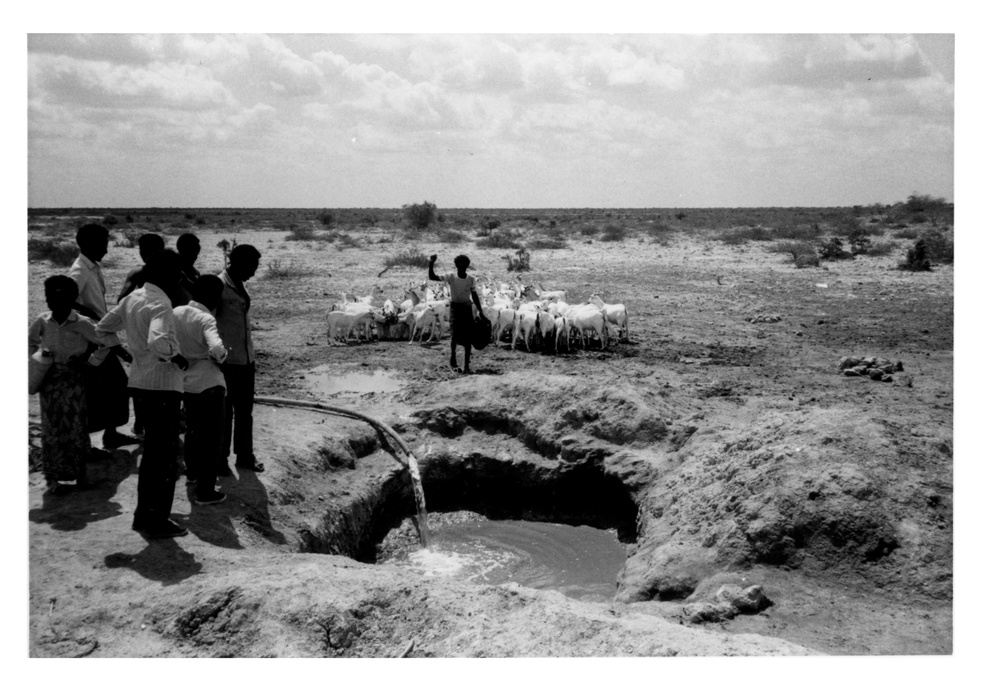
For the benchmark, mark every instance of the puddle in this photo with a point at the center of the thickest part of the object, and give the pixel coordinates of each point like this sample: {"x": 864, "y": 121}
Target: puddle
{"x": 580, "y": 562}
{"x": 332, "y": 380}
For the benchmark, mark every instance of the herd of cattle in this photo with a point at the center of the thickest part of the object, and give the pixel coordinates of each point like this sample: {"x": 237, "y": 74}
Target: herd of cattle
{"x": 529, "y": 314}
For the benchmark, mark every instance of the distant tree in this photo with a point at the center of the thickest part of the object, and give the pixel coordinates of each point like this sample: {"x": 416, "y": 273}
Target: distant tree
{"x": 420, "y": 215}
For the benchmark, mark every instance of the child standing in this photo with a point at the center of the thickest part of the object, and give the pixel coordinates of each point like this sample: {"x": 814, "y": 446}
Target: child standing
{"x": 463, "y": 296}
{"x": 69, "y": 338}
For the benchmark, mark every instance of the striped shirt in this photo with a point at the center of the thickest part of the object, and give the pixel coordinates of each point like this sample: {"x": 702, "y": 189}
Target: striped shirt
{"x": 148, "y": 321}
{"x": 199, "y": 340}
{"x": 68, "y": 340}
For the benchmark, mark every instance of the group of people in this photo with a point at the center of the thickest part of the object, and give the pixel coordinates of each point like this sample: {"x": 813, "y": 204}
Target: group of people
{"x": 190, "y": 349}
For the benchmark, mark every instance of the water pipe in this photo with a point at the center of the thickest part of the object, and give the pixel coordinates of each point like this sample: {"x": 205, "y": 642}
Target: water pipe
{"x": 411, "y": 461}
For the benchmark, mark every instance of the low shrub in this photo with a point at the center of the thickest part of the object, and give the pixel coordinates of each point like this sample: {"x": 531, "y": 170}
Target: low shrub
{"x": 803, "y": 254}
{"x": 832, "y": 250}
{"x": 739, "y": 236}
{"x": 940, "y": 248}
{"x": 502, "y": 239}
{"x": 451, "y": 236}
{"x": 916, "y": 258}
{"x": 547, "y": 242}
{"x": 280, "y": 269}
{"x": 520, "y": 262}
{"x": 59, "y": 253}
{"x": 662, "y": 233}
{"x": 906, "y": 233}
{"x": 410, "y": 257}
{"x": 301, "y": 233}
{"x": 613, "y": 233}
{"x": 589, "y": 229}
{"x": 129, "y": 238}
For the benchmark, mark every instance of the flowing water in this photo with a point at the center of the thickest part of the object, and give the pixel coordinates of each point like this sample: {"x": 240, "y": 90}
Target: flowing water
{"x": 579, "y": 561}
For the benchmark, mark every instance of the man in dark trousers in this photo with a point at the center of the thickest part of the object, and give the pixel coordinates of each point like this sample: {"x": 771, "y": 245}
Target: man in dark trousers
{"x": 105, "y": 380}
{"x": 147, "y": 317}
{"x": 149, "y": 245}
{"x": 233, "y": 318}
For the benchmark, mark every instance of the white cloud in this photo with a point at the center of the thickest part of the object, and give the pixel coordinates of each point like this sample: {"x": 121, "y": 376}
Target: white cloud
{"x": 102, "y": 84}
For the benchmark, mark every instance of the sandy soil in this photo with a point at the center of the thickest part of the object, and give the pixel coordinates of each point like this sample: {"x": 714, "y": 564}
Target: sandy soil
{"x": 747, "y": 456}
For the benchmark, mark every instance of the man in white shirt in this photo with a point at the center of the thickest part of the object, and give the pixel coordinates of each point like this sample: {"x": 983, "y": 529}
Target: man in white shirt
{"x": 204, "y": 386}
{"x": 156, "y": 375}
{"x": 106, "y": 382}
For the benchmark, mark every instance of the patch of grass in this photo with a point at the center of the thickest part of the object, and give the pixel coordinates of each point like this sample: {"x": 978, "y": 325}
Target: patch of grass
{"x": 500, "y": 239}
{"x": 410, "y": 257}
{"x": 59, "y": 253}
{"x": 281, "y": 269}
{"x": 547, "y": 243}
{"x": 796, "y": 232}
{"x": 129, "y": 238}
{"x": 745, "y": 234}
{"x": 881, "y": 249}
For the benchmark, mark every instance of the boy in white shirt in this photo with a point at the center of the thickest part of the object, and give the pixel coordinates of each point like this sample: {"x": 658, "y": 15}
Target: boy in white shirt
{"x": 204, "y": 387}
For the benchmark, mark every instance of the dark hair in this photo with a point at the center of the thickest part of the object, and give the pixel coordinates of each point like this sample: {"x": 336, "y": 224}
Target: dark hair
{"x": 60, "y": 283}
{"x": 186, "y": 242}
{"x": 150, "y": 243}
{"x": 243, "y": 253}
{"x": 90, "y": 232}
{"x": 163, "y": 269}
{"x": 462, "y": 261}
{"x": 207, "y": 289}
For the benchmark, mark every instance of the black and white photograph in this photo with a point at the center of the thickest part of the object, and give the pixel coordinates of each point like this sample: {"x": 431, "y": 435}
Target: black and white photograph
{"x": 505, "y": 345}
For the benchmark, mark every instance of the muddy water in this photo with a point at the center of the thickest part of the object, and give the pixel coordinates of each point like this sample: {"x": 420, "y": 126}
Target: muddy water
{"x": 581, "y": 562}
{"x": 334, "y": 381}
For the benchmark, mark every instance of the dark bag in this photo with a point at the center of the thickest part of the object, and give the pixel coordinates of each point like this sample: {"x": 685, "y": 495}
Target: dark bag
{"x": 482, "y": 333}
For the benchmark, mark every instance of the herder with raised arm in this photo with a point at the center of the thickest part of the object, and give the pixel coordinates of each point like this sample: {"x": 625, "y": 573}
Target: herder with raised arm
{"x": 463, "y": 295}
{"x": 147, "y": 317}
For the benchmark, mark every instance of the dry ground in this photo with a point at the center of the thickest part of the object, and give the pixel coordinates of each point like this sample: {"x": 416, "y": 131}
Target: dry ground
{"x": 745, "y": 453}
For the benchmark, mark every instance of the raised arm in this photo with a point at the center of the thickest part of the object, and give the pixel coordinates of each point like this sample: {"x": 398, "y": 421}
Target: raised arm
{"x": 430, "y": 269}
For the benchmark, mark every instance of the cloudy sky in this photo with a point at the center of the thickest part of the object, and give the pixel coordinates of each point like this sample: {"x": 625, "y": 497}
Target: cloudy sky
{"x": 488, "y": 120}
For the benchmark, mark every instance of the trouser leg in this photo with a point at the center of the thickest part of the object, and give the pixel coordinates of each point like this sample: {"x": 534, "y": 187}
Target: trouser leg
{"x": 203, "y": 439}
{"x": 158, "y": 466}
{"x": 238, "y": 427}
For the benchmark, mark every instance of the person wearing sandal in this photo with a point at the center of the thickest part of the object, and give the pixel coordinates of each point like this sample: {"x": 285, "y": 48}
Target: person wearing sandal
{"x": 67, "y": 338}
{"x": 233, "y": 318}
